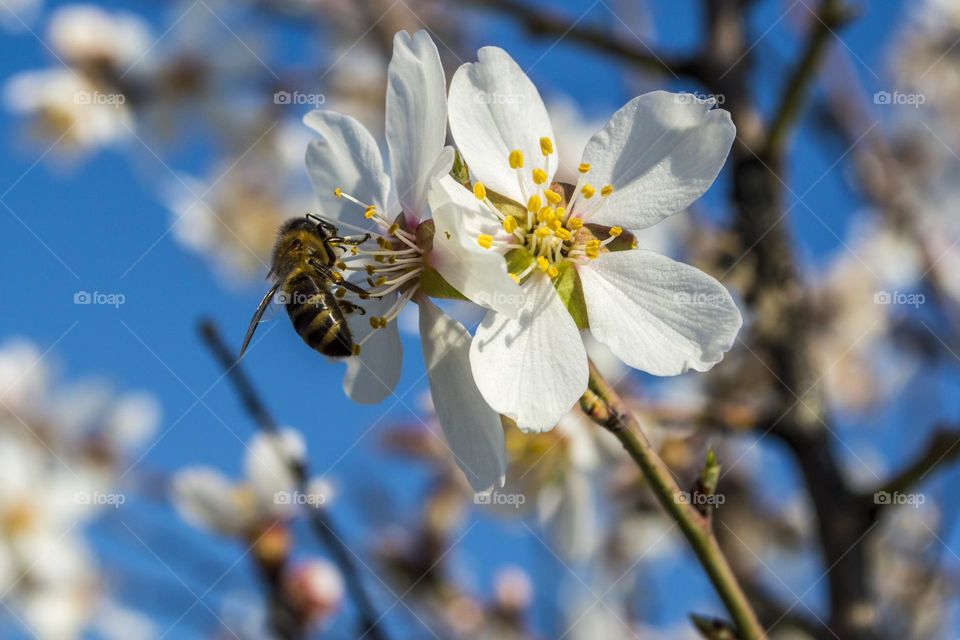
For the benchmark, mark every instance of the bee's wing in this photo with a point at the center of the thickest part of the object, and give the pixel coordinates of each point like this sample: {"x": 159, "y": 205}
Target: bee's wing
{"x": 256, "y": 318}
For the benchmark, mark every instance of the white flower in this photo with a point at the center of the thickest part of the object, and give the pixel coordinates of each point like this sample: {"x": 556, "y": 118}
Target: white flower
{"x": 567, "y": 247}
{"x": 208, "y": 499}
{"x": 83, "y": 33}
{"x": 347, "y": 170}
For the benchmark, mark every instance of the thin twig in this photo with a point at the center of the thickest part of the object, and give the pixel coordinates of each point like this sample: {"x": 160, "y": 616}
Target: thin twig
{"x": 605, "y": 407}
{"x": 319, "y": 519}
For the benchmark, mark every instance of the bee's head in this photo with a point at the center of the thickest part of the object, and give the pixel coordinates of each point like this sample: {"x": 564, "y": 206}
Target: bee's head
{"x": 298, "y": 239}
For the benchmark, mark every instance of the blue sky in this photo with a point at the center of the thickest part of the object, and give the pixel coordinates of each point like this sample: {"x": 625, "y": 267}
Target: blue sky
{"x": 100, "y": 226}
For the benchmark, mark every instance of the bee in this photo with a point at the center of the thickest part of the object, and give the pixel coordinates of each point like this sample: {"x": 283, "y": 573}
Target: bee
{"x": 303, "y": 268}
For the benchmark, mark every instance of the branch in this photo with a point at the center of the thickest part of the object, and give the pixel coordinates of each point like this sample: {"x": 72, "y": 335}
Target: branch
{"x": 539, "y": 22}
{"x": 942, "y": 448}
{"x": 832, "y": 15}
{"x": 320, "y": 521}
{"x": 604, "y": 406}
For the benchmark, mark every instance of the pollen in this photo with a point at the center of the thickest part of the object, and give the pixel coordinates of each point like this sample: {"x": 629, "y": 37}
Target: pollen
{"x": 607, "y": 190}
{"x": 370, "y": 212}
{"x": 563, "y": 234}
{"x": 485, "y": 241}
{"x": 587, "y": 190}
{"x": 546, "y": 146}
{"x": 539, "y": 176}
{"x": 340, "y": 292}
{"x": 337, "y": 192}
{"x": 575, "y": 223}
{"x": 584, "y": 167}
{"x": 553, "y": 271}
{"x": 392, "y": 229}
{"x": 341, "y": 265}
{"x": 479, "y": 190}
{"x": 534, "y": 203}
{"x": 356, "y": 349}
{"x": 516, "y": 159}
{"x": 615, "y": 231}
{"x": 542, "y": 233}
{"x": 542, "y": 263}
{"x": 509, "y": 224}
{"x": 550, "y": 215}
{"x": 552, "y": 196}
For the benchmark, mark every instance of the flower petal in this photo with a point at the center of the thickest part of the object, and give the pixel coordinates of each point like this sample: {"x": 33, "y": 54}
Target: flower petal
{"x": 205, "y": 498}
{"x": 372, "y": 375}
{"x": 416, "y": 117}
{"x": 345, "y": 156}
{"x": 268, "y": 462}
{"x": 658, "y": 315}
{"x": 495, "y": 109}
{"x": 660, "y": 151}
{"x": 532, "y": 369}
{"x": 472, "y": 428}
{"x": 479, "y": 274}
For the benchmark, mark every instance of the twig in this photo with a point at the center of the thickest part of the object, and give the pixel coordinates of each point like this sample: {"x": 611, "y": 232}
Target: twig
{"x": 942, "y": 448}
{"x": 322, "y": 524}
{"x": 604, "y": 406}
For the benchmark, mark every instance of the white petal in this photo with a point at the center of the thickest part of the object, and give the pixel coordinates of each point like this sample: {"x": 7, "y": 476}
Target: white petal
{"x": 345, "y": 156}
{"x": 533, "y": 369}
{"x": 205, "y": 498}
{"x": 472, "y": 428}
{"x": 372, "y": 375}
{"x": 494, "y": 109}
{"x": 660, "y": 151}
{"x": 416, "y": 117}
{"x": 658, "y": 315}
{"x": 479, "y": 274}
{"x": 268, "y": 461}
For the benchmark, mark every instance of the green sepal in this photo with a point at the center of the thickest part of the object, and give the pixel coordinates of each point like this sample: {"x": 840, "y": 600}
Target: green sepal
{"x": 434, "y": 285}
{"x": 569, "y": 288}
{"x": 623, "y": 242}
{"x": 459, "y": 171}
{"x": 518, "y": 260}
{"x": 507, "y": 207}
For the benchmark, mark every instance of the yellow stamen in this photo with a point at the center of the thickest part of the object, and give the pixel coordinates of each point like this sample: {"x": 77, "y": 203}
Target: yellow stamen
{"x": 553, "y": 197}
{"x": 542, "y": 232}
{"x": 392, "y": 229}
{"x": 534, "y": 203}
{"x": 584, "y": 167}
{"x": 340, "y": 292}
{"x": 356, "y": 349}
{"x": 615, "y": 231}
{"x": 546, "y": 146}
{"x": 563, "y": 234}
{"x": 587, "y": 190}
{"x": 554, "y": 224}
{"x": 370, "y": 212}
{"x": 607, "y": 190}
{"x": 485, "y": 241}
{"x": 561, "y": 211}
{"x": 542, "y": 214}
{"x": 514, "y": 277}
{"x": 509, "y": 224}
{"x": 479, "y": 190}
{"x": 337, "y": 192}
{"x": 542, "y": 263}
{"x": 539, "y": 176}
{"x": 516, "y": 159}
{"x": 553, "y": 272}
{"x": 575, "y": 223}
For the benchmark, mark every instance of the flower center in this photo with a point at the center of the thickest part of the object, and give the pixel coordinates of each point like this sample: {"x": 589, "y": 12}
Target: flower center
{"x": 549, "y": 228}
{"x": 395, "y": 265}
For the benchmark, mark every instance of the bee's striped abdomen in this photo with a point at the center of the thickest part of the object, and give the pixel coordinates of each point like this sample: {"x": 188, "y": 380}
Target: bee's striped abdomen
{"x": 316, "y": 317}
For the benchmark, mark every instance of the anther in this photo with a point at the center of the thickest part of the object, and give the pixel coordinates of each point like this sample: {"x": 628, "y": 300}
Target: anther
{"x": 485, "y": 241}
{"x": 539, "y": 176}
{"x": 542, "y": 263}
{"x": 546, "y": 146}
{"x": 607, "y": 190}
{"x": 552, "y": 196}
{"x": 534, "y": 203}
{"x": 479, "y": 190}
{"x": 615, "y": 231}
{"x": 575, "y": 223}
{"x": 588, "y": 190}
{"x": 509, "y": 224}
{"x": 584, "y": 167}
{"x": 516, "y": 159}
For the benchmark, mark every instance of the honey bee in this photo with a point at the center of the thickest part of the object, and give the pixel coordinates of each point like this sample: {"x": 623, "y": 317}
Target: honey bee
{"x": 303, "y": 268}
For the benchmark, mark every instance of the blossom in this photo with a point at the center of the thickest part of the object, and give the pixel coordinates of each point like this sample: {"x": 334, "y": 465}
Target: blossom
{"x": 570, "y": 248}
{"x": 209, "y": 500}
{"x": 348, "y": 172}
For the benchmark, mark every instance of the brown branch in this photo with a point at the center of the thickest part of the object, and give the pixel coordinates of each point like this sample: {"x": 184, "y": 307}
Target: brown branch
{"x": 941, "y": 449}
{"x": 319, "y": 519}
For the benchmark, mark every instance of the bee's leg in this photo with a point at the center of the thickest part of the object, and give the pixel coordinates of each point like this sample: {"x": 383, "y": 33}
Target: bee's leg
{"x": 328, "y": 226}
{"x": 339, "y": 280}
{"x": 350, "y": 307}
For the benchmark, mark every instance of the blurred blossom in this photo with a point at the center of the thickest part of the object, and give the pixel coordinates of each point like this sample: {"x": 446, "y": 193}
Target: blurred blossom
{"x": 512, "y": 589}
{"x": 93, "y": 38}
{"x": 68, "y": 109}
{"x": 247, "y": 509}
{"x": 315, "y": 587}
